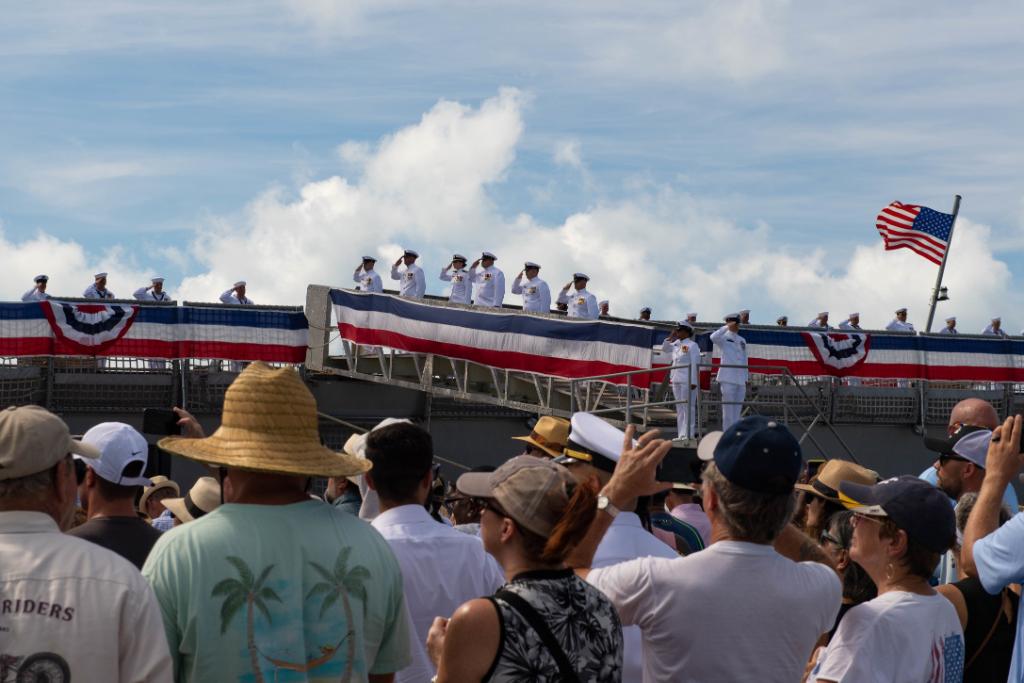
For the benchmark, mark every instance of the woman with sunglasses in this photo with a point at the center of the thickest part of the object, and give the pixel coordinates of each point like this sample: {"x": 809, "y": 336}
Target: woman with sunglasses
{"x": 908, "y": 633}
{"x": 858, "y": 587}
{"x": 546, "y": 624}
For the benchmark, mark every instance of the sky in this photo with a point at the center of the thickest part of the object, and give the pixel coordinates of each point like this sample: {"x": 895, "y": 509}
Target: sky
{"x": 688, "y": 155}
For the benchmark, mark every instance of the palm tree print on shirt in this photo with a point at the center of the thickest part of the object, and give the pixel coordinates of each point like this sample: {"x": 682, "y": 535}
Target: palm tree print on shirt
{"x": 340, "y": 584}
{"x": 246, "y": 590}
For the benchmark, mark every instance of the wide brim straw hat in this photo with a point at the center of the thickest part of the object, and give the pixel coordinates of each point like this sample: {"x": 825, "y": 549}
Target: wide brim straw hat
{"x": 269, "y": 425}
{"x": 160, "y": 482}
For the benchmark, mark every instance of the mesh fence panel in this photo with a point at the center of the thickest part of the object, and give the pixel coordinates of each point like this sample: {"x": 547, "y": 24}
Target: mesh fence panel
{"x": 22, "y": 381}
{"x": 881, "y": 405}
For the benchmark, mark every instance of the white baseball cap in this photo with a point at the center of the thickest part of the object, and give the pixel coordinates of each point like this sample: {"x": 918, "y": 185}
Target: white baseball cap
{"x": 120, "y": 445}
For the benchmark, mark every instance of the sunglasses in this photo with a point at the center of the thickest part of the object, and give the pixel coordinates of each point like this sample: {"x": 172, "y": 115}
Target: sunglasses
{"x": 488, "y": 504}
{"x": 946, "y": 457}
{"x": 826, "y": 537}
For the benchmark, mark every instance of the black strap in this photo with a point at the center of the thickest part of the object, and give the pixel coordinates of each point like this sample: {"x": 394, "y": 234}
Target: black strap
{"x": 193, "y": 509}
{"x": 536, "y": 622}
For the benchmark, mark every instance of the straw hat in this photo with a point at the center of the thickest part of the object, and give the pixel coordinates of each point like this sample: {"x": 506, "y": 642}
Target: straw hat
{"x": 159, "y": 482}
{"x": 826, "y": 484}
{"x": 269, "y": 424}
{"x": 203, "y": 497}
{"x": 550, "y": 434}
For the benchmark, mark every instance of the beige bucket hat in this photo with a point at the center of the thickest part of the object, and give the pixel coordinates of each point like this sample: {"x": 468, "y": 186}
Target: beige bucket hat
{"x": 202, "y": 498}
{"x": 160, "y": 482}
{"x": 269, "y": 424}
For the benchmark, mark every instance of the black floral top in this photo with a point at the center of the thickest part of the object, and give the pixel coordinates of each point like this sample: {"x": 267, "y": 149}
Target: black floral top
{"x": 580, "y": 617}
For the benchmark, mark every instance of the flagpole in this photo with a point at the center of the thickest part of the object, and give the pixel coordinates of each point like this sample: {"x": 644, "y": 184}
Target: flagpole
{"x": 942, "y": 266}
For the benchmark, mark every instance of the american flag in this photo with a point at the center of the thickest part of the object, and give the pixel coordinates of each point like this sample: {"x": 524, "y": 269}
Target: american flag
{"x": 917, "y": 228}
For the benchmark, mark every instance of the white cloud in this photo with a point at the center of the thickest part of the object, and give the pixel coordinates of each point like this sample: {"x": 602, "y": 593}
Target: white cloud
{"x": 567, "y": 152}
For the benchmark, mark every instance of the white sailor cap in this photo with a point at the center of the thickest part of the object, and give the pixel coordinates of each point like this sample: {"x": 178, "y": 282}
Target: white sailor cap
{"x": 951, "y": 319}
{"x": 580, "y": 276}
{"x": 686, "y": 324}
{"x": 99, "y": 276}
{"x": 530, "y": 264}
{"x": 823, "y": 314}
{"x": 459, "y": 257}
{"x": 41, "y": 278}
{"x": 594, "y": 441}
{"x": 745, "y": 311}
{"x": 410, "y": 252}
{"x": 489, "y": 255}
{"x": 602, "y": 302}
{"x": 240, "y": 283}
{"x": 997, "y": 319}
{"x": 853, "y": 315}
{"x": 157, "y": 280}
{"x": 732, "y": 316}
{"x": 782, "y": 319}
{"x": 901, "y": 310}
{"x": 691, "y": 315}
{"x": 370, "y": 258}
{"x": 645, "y": 309}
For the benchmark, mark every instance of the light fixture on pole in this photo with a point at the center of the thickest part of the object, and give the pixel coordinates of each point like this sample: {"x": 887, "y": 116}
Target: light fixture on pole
{"x": 943, "y": 294}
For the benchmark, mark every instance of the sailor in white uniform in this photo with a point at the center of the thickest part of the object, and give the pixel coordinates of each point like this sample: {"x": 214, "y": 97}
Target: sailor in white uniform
{"x": 592, "y": 451}
{"x": 461, "y": 279}
{"x": 581, "y": 304}
{"x": 489, "y": 281}
{"x": 995, "y": 328}
{"x": 685, "y": 380}
{"x": 412, "y": 282}
{"x": 782, "y": 321}
{"x": 900, "y": 324}
{"x": 236, "y": 295}
{"x": 154, "y": 292}
{"x": 732, "y": 380}
{"x": 821, "y": 322}
{"x": 366, "y": 278}
{"x": 691, "y": 318}
{"x": 98, "y": 289}
{"x": 851, "y": 323}
{"x": 950, "y": 327}
{"x": 37, "y": 293}
{"x": 536, "y": 294}
{"x": 745, "y": 316}
{"x": 602, "y": 307}
{"x": 645, "y": 313}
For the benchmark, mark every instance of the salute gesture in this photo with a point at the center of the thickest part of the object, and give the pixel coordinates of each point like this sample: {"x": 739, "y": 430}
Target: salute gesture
{"x": 475, "y": 263}
{"x": 399, "y": 261}
{"x": 521, "y": 274}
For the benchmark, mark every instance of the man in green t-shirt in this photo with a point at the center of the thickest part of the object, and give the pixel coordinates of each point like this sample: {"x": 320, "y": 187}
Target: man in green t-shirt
{"x": 272, "y": 585}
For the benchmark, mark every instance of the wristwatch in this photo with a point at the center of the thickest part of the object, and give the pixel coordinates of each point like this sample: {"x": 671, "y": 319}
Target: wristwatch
{"x": 604, "y": 503}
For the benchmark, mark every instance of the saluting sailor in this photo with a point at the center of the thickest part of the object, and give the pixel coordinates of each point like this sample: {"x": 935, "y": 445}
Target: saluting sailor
{"x": 995, "y": 328}
{"x": 782, "y": 321}
{"x": 851, "y": 323}
{"x": 236, "y": 295}
{"x": 645, "y": 313}
{"x": 685, "y": 352}
{"x": 490, "y": 281}
{"x": 593, "y": 450}
{"x": 412, "y": 281}
{"x": 691, "y": 318}
{"x": 366, "y": 277}
{"x": 461, "y": 279}
{"x": 745, "y": 316}
{"x": 582, "y": 304}
{"x": 900, "y": 324}
{"x": 821, "y": 322}
{"x": 98, "y": 289}
{"x": 37, "y": 293}
{"x": 154, "y": 292}
{"x": 733, "y": 372}
{"x": 950, "y": 327}
{"x": 536, "y": 294}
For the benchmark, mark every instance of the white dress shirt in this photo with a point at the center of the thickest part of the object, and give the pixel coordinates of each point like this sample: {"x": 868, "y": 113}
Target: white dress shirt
{"x": 441, "y": 569}
{"x": 733, "y": 350}
{"x": 368, "y": 280}
{"x": 992, "y": 332}
{"x": 582, "y": 304}
{"x": 412, "y": 282}
{"x": 230, "y": 296}
{"x": 462, "y": 284}
{"x": 34, "y": 295}
{"x": 490, "y": 286}
{"x": 536, "y": 295}
{"x": 816, "y": 323}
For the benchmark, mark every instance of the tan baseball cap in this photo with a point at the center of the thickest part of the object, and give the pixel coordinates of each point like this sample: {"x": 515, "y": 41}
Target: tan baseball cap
{"x": 532, "y": 491}
{"x": 32, "y": 439}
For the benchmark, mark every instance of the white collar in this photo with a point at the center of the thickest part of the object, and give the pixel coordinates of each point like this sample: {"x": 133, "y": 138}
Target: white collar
{"x": 27, "y": 522}
{"x": 404, "y": 514}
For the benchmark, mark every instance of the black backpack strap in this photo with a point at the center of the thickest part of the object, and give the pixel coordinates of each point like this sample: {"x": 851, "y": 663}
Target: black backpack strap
{"x": 536, "y": 622}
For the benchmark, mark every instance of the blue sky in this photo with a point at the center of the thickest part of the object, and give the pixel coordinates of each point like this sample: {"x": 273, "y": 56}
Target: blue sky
{"x": 688, "y": 155}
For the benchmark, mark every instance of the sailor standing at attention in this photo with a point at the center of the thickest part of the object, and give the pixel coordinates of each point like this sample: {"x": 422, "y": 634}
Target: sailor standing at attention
{"x": 900, "y": 324}
{"x": 686, "y": 353}
{"x": 37, "y": 293}
{"x": 582, "y": 304}
{"x": 602, "y": 308}
{"x": 461, "y": 279}
{"x": 950, "y": 327}
{"x": 98, "y": 289}
{"x": 645, "y": 313}
{"x": 412, "y": 282}
{"x": 691, "y": 318}
{"x": 490, "y": 281}
{"x": 851, "y": 323}
{"x": 733, "y": 372}
{"x": 536, "y": 295}
{"x": 154, "y": 292}
{"x": 236, "y": 295}
{"x": 995, "y": 328}
{"x": 745, "y": 316}
{"x": 367, "y": 278}
{"x": 821, "y": 322}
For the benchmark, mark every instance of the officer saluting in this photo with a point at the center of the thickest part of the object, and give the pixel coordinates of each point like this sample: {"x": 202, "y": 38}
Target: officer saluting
{"x": 412, "y": 282}
{"x": 236, "y": 295}
{"x": 821, "y": 322}
{"x": 536, "y": 295}
{"x": 645, "y": 313}
{"x": 900, "y": 324}
{"x": 745, "y": 316}
{"x": 490, "y": 281}
{"x": 685, "y": 352}
{"x": 732, "y": 380}
{"x": 98, "y": 289}
{"x": 582, "y": 304}
{"x": 461, "y": 279}
{"x": 37, "y": 293}
{"x": 995, "y": 328}
{"x": 366, "y": 277}
{"x": 851, "y": 323}
{"x": 950, "y": 327}
{"x": 691, "y": 318}
{"x": 155, "y": 291}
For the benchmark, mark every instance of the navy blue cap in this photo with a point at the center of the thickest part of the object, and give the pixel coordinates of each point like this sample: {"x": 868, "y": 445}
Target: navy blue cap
{"x": 760, "y": 455}
{"x": 917, "y": 507}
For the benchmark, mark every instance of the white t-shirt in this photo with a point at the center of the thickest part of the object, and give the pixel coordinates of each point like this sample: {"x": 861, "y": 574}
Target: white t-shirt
{"x": 898, "y": 636}
{"x": 732, "y": 612}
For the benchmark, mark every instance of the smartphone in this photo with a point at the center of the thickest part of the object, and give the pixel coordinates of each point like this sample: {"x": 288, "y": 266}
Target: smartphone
{"x": 680, "y": 466}
{"x": 160, "y": 421}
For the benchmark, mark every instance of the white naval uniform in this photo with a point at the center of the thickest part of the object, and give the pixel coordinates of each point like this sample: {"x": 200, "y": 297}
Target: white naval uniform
{"x": 815, "y": 323}
{"x": 733, "y": 381}
{"x": 582, "y": 304}
{"x": 847, "y": 325}
{"x": 92, "y": 293}
{"x": 145, "y": 294}
{"x": 897, "y": 326}
{"x": 367, "y": 280}
{"x": 946, "y": 330}
{"x": 993, "y": 333}
{"x": 34, "y": 295}
{"x": 536, "y": 295}
{"x": 462, "y": 285}
{"x": 684, "y": 352}
{"x": 230, "y": 297}
{"x": 412, "y": 281}
{"x": 490, "y": 290}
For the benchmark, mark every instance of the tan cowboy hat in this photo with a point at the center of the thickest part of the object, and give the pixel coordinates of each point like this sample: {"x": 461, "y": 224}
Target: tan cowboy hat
{"x": 826, "y": 484}
{"x": 159, "y": 482}
{"x": 269, "y": 424}
{"x": 203, "y": 497}
{"x": 550, "y": 434}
